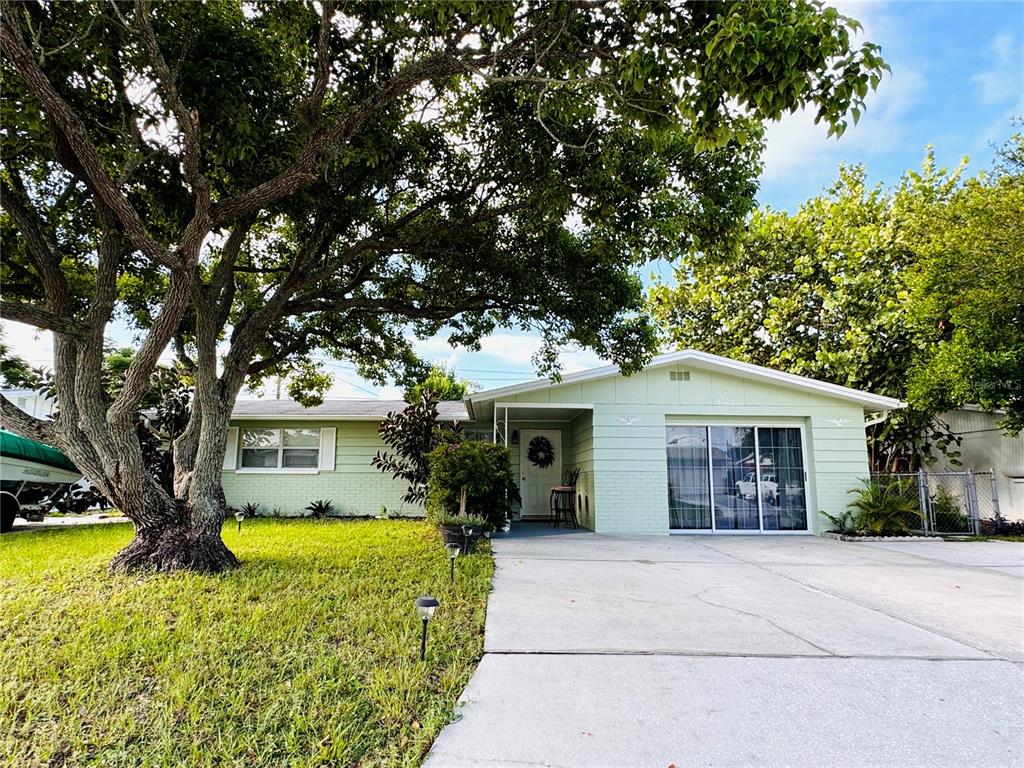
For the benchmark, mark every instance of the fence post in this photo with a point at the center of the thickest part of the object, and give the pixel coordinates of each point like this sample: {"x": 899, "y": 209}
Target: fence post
{"x": 922, "y": 499}
{"x": 972, "y": 501}
{"x": 995, "y": 493}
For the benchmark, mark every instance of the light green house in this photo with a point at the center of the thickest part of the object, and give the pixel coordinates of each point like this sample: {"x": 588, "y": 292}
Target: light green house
{"x": 694, "y": 443}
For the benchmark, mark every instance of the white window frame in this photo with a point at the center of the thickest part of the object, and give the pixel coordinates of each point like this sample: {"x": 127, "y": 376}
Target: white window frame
{"x": 281, "y": 448}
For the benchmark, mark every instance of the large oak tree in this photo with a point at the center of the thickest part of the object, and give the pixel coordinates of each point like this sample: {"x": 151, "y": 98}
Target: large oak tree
{"x": 250, "y": 183}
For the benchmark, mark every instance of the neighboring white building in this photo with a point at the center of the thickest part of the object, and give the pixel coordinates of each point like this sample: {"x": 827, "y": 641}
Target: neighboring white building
{"x": 985, "y": 446}
{"x": 31, "y": 402}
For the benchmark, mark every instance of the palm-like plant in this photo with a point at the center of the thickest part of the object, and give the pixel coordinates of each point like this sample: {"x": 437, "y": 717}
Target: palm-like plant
{"x": 846, "y": 523}
{"x": 884, "y": 507}
{"x": 320, "y": 509}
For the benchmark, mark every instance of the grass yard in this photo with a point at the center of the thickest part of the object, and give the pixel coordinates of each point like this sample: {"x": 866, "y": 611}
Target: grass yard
{"x": 306, "y": 656}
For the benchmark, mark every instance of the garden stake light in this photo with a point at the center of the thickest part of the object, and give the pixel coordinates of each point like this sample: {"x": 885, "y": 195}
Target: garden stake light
{"x": 239, "y": 516}
{"x": 425, "y": 607}
{"x": 454, "y": 550}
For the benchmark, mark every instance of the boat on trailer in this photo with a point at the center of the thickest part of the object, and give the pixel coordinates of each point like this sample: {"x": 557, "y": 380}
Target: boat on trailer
{"x": 30, "y": 473}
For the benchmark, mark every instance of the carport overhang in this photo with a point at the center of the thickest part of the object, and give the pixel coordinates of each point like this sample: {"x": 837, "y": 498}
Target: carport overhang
{"x": 501, "y": 413}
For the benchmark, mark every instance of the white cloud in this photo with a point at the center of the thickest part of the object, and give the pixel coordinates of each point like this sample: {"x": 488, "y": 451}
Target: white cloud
{"x": 1003, "y": 79}
{"x": 795, "y": 143}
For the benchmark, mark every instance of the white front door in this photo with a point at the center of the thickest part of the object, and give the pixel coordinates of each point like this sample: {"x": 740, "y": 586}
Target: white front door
{"x": 536, "y": 482}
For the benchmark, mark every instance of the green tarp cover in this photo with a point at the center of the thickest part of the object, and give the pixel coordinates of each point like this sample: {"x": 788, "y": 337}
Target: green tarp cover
{"x": 22, "y": 448}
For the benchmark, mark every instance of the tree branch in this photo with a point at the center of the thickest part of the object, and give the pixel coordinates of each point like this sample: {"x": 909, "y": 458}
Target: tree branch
{"x": 72, "y": 130}
{"x": 188, "y": 119}
{"x": 22, "y": 312}
{"x": 305, "y": 168}
{"x": 41, "y": 252}
{"x": 323, "y": 64}
{"x": 13, "y": 419}
{"x": 137, "y": 377}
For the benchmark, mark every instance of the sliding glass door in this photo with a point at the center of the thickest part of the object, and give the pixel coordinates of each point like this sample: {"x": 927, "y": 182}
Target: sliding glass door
{"x": 733, "y": 467}
{"x": 781, "y": 464}
{"x": 689, "y": 507}
{"x": 736, "y": 478}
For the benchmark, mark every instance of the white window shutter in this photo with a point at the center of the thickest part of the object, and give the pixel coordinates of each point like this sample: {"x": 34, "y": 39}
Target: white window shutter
{"x": 231, "y": 450}
{"x": 327, "y": 439}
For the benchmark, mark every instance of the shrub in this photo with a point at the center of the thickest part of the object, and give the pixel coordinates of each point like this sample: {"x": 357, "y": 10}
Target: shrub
{"x": 251, "y": 509}
{"x": 1000, "y": 526}
{"x": 473, "y": 521}
{"x": 845, "y": 524}
{"x": 946, "y": 513}
{"x": 471, "y": 478}
{"x": 885, "y": 508}
{"x": 412, "y": 434}
{"x": 320, "y": 509}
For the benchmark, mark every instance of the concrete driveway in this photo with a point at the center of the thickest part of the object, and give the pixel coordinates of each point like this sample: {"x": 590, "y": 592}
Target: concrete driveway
{"x": 96, "y": 518}
{"x": 746, "y": 651}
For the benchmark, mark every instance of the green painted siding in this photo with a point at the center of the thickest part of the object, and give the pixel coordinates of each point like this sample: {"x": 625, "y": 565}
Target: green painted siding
{"x": 353, "y": 486}
{"x": 626, "y": 450}
{"x": 579, "y": 453}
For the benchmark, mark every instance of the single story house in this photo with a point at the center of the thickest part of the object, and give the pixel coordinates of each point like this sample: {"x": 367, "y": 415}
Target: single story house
{"x": 694, "y": 443}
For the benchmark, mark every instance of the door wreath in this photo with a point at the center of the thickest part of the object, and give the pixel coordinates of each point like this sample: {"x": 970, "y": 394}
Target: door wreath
{"x": 541, "y": 452}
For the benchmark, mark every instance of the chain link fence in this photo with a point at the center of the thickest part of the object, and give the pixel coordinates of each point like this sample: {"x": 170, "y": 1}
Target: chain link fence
{"x": 952, "y": 503}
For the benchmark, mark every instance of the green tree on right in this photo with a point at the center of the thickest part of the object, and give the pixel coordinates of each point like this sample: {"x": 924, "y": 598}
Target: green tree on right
{"x": 444, "y": 382}
{"x": 916, "y": 292}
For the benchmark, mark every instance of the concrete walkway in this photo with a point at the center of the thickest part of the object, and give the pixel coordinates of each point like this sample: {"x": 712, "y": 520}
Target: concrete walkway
{"x": 746, "y": 651}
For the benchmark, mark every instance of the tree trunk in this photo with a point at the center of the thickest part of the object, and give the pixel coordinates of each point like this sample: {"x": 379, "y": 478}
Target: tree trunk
{"x": 184, "y": 532}
{"x": 172, "y": 532}
{"x": 176, "y": 544}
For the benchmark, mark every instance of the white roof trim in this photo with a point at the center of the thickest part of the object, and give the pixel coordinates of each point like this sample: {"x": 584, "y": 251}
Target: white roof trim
{"x": 705, "y": 360}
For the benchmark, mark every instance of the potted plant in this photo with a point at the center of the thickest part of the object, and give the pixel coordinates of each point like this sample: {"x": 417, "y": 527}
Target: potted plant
{"x": 464, "y": 530}
{"x": 471, "y": 485}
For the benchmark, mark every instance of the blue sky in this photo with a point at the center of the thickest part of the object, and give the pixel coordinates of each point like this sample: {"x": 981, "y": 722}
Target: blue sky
{"x": 957, "y": 79}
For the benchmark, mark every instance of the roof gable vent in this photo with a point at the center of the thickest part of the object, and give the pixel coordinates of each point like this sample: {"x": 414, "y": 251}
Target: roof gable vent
{"x": 678, "y": 375}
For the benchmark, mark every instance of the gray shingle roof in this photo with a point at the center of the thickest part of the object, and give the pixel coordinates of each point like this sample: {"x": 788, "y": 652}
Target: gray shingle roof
{"x": 339, "y": 409}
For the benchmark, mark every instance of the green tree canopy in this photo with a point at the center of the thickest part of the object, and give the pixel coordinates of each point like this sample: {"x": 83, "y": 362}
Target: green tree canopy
{"x": 253, "y": 183}
{"x": 443, "y": 381}
{"x": 871, "y": 289}
{"x": 15, "y": 371}
{"x": 965, "y": 294}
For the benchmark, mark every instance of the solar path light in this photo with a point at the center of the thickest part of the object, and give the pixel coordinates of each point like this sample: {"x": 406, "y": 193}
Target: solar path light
{"x": 454, "y": 550}
{"x": 425, "y": 607}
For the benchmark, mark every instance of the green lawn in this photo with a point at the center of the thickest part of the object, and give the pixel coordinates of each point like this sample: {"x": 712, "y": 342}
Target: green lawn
{"x": 306, "y": 656}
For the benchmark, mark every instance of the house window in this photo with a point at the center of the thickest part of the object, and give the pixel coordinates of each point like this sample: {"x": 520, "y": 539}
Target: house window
{"x": 281, "y": 448}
